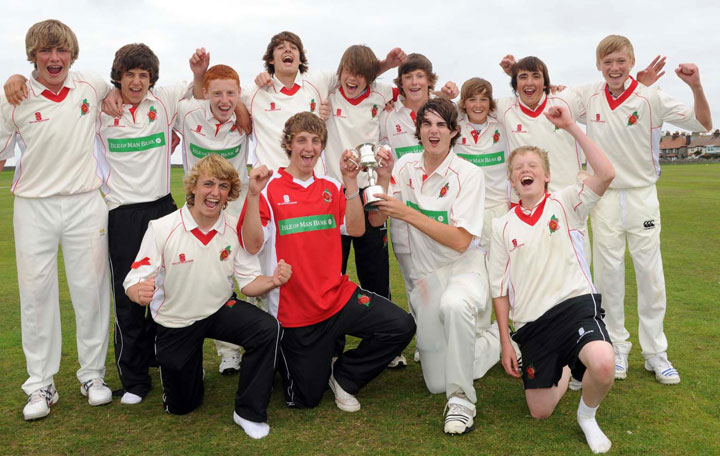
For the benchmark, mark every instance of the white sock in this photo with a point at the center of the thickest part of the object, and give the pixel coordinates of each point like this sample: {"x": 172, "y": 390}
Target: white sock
{"x": 596, "y": 439}
{"x": 253, "y": 429}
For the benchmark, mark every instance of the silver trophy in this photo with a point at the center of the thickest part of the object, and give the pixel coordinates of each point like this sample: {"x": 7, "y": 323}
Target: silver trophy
{"x": 366, "y": 159}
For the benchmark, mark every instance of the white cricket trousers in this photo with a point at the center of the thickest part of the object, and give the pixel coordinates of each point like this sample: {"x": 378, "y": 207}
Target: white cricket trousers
{"x": 447, "y": 303}
{"x": 632, "y": 214}
{"x": 79, "y": 224}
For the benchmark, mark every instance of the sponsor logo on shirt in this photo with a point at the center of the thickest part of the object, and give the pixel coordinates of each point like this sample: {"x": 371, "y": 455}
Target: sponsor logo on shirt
{"x": 182, "y": 260}
{"x": 649, "y": 224}
{"x": 116, "y": 122}
{"x": 519, "y": 129}
{"x": 286, "y": 200}
{"x": 496, "y": 158}
{"x": 227, "y": 154}
{"x": 273, "y": 107}
{"x": 400, "y": 151}
{"x": 308, "y": 223}
{"x": 597, "y": 119}
{"x": 338, "y": 113}
{"x": 440, "y": 216}
{"x": 516, "y": 245}
{"x": 136, "y": 144}
{"x": 38, "y": 118}
{"x": 582, "y": 333}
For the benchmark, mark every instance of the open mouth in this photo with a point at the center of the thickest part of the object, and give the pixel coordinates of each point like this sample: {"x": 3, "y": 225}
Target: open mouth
{"x": 351, "y": 86}
{"x": 307, "y": 159}
{"x": 54, "y": 69}
{"x": 288, "y": 59}
{"x": 211, "y": 203}
{"x": 434, "y": 141}
{"x": 224, "y": 109}
{"x": 526, "y": 181}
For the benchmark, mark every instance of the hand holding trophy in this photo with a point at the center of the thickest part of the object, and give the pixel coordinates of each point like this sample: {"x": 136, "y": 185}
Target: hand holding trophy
{"x": 365, "y": 158}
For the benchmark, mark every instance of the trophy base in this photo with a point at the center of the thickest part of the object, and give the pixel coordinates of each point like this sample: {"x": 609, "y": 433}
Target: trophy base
{"x": 370, "y": 198}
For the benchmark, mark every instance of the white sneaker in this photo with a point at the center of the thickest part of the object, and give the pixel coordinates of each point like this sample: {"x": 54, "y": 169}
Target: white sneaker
{"x": 575, "y": 384}
{"x": 96, "y": 391}
{"x": 398, "y": 362}
{"x": 344, "y": 400}
{"x": 230, "y": 365}
{"x": 459, "y": 414}
{"x": 130, "y": 398}
{"x": 665, "y": 373}
{"x": 621, "y": 366}
{"x": 39, "y": 403}
{"x": 416, "y": 356}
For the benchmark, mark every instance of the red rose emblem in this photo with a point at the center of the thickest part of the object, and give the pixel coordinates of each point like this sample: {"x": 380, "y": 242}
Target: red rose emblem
{"x": 84, "y": 107}
{"x": 312, "y": 105}
{"x": 444, "y": 190}
{"x": 364, "y": 300}
{"x": 225, "y": 253}
{"x": 152, "y": 115}
{"x": 553, "y": 224}
{"x": 374, "y": 111}
{"x": 496, "y": 137}
{"x": 632, "y": 120}
{"x": 230, "y": 303}
{"x": 530, "y": 371}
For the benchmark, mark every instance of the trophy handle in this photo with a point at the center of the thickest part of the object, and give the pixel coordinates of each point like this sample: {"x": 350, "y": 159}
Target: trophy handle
{"x": 356, "y": 156}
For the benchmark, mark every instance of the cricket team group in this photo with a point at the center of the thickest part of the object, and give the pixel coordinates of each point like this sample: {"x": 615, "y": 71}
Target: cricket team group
{"x": 485, "y": 201}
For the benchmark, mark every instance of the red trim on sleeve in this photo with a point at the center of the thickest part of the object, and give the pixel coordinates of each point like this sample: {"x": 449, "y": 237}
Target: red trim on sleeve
{"x": 144, "y": 262}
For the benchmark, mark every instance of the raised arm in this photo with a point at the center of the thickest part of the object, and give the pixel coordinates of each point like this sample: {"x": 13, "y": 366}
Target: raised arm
{"x": 263, "y": 284}
{"x": 199, "y": 63}
{"x": 690, "y": 75}
{"x": 603, "y": 170}
{"x": 253, "y": 236}
{"x": 393, "y": 59}
{"x": 354, "y": 212}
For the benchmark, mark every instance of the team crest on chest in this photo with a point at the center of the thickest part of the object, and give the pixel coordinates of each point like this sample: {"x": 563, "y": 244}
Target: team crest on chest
{"x": 225, "y": 253}
{"x": 496, "y": 136}
{"x": 553, "y": 224}
{"x": 632, "y": 120}
{"x": 84, "y": 107}
{"x": 313, "y": 105}
{"x": 444, "y": 190}
{"x": 152, "y": 114}
{"x": 327, "y": 196}
{"x": 374, "y": 111}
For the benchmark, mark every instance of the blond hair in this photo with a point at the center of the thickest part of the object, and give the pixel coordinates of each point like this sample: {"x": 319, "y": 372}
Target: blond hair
{"x": 217, "y": 167}
{"x": 544, "y": 159}
{"x": 50, "y": 33}
{"x": 613, "y": 43}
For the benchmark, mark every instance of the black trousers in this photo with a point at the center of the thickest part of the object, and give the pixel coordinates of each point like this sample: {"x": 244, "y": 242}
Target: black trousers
{"x": 371, "y": 258}
{"x": 385, "y": 330}
{"x": 134, "y": 327}
{"x": 180, "y": 353}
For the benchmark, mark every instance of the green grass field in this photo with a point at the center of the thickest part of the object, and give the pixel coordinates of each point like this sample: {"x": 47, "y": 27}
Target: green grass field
{"x": 398, "y": 415}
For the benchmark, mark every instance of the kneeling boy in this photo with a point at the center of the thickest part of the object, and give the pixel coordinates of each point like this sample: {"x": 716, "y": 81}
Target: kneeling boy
{"x": 536, "y": 250}
{"x": 184, "y": 271}
{"x": 298, "y": 216}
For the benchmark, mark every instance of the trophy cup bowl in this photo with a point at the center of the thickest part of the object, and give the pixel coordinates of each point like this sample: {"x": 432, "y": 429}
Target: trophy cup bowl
{"x": 367, "y": 161}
